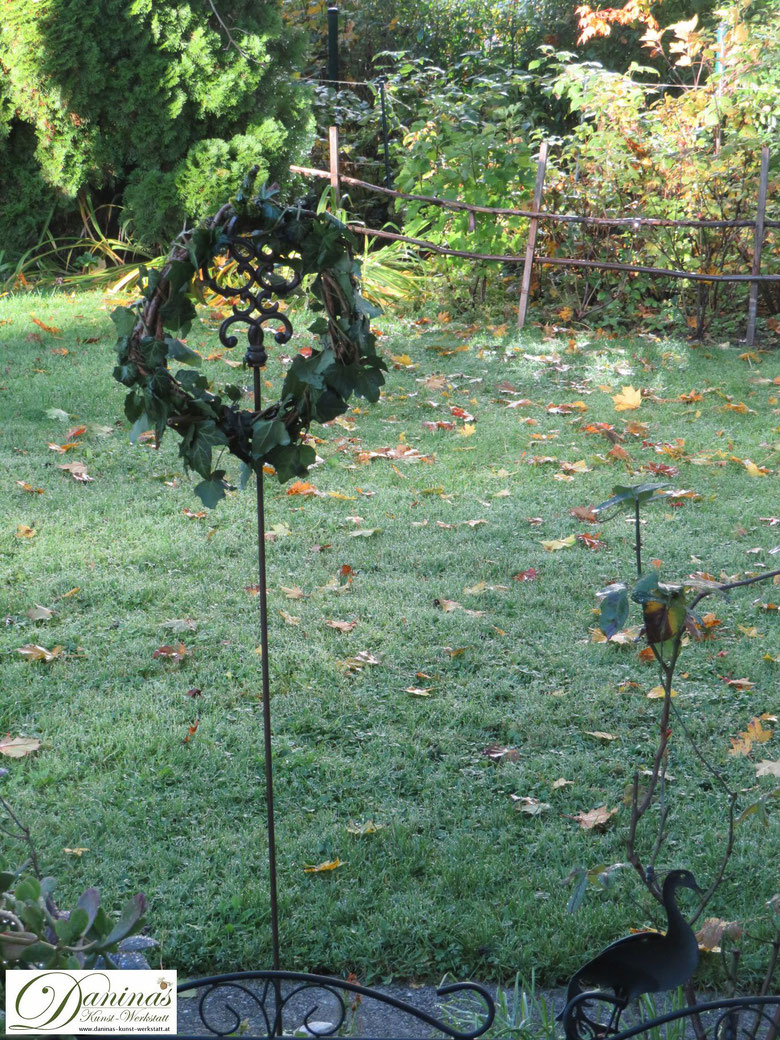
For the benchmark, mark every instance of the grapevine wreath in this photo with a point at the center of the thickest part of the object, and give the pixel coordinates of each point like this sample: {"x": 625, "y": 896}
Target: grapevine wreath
{"x": 272, "y": 248}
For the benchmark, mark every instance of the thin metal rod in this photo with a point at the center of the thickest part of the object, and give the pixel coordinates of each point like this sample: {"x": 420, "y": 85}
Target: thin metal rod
{"x": 269, "y": 781}
{"x": 333, "y": 43}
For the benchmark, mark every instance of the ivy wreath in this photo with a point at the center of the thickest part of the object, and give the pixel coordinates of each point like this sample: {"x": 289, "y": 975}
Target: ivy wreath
{"x": 270, "y": 251}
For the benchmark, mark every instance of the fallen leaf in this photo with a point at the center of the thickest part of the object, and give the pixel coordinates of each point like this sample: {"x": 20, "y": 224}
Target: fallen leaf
{"x": 419, "y": 691}
{"x": 369, "y": 827}
{"x": 194, "y": 516}
{"x": 46, "y": 328}
{"x": 78, "y": 471}
{"x": 302, "y": 487}
{"x": 331, "y": 864}
{"x": 18, "y": 747}
{"x": 527, "y": 575}
{"x": 23, "y": 531}
{"x": 767, "y": 768}
{"x": 191, "y": 731}
{"x": 33, "y": 652}
{"x": 595, "y": 819}
{"x": 289, "y": 619}
{"x": 739, "y": 684}
{"x": 293, "y": 592}
{"x": 741, "y": 408}
{"x": 497, "y": 752}
{"x": 365, "y": 532}
{"x": 74, "y": 432}
{"x": 605, "y": 737}
{"x": 29, "y": 488}
{"x": 62, "y": 449}
{"x": 193, "y": 693}
{"x": 627, "y": 400}
{"x": 658, "y": 693}
{"x": 447, "y": 605}
{"x": 560, "y": 782}
{"x": 39, "y": 613}
{"x": 78, "y": 851}
{"x": 172, "y": 653}
{"x": 755, "y": 733}
{"x": 713, "y": 929}
{"x": 592, "y": 541}
{"x": 554, "y": 544}
{"x": 341, "y": 626}
{"x": 530, "y": 806}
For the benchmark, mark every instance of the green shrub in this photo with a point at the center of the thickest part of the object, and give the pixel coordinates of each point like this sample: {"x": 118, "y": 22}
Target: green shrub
{"x": 161, "y": 106}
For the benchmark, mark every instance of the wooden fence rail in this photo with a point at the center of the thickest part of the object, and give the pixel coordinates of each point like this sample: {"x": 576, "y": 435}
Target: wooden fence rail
{"x": 537, "y": 215}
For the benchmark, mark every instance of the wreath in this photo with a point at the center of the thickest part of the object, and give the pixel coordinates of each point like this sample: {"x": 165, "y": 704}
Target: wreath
{"x": 252, "y": 251}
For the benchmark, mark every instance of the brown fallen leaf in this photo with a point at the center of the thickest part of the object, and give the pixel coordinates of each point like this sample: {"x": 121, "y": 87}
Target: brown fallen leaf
{"x": 331, "y": 864}
{"x": 78, "y": 471}
{"x": 33, "y": 652}
{"x": 447, "y": 605}
{"x": 194, "y": 692}
{"x": 172, "y": 653}
{"x": 293, "y": 592}
{"x": 595, "y": 819}
{"x": 39, "y": 613}
{"x": 62, "y": 449}
{"x": 46, "y": 328}
{"x": 303, "y": 487}
{"x": 18, "y": 747}
{"x": 29, "y": 488}
{"x": 341, "y": 626}
{"x": 289, "y": 619}
{"x": 738, "y": 684}
{"x": 194, "y": 516}
{"x": 710, "y": 935}
{"x": 74, "y": 432}
{"x": 253, "y": 590}
{"x": 585, "y": 513}
{"x": 23, "y": 531}
{"x": 191, "y": 731}
{"x": 497, "y": 752}
{"x": 527, "y": 575}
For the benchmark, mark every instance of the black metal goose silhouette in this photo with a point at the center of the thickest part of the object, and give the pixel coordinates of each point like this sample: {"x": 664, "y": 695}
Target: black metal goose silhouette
{"x": 643, "y": 963}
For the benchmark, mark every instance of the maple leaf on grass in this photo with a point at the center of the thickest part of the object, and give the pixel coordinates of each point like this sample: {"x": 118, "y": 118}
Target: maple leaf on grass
{"x": 755, "y": 733}
{"x": 341, "y": 626}
{"x": 627, "y": 400}
{"x": 555, "y": 544}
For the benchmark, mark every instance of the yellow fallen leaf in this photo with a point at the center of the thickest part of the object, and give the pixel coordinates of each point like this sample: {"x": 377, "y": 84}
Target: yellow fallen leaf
{"x": 331, "y": 864}
{"x": 658, "y": 693}
{"x": 419, "y": 691}
{"x": 627, "y": 400}
{"x": 289, "y": 619}
{"x": 606, "y": 737}
{"x": 78, "y": 851}
{"x": 369, "y": 827}
{"x": 23, "y": 531}
{"x": 467, "y": 430}
{"x": 748, "y": 630}
{"x": 554, "y": 544}
{"x": 754, "y": 470}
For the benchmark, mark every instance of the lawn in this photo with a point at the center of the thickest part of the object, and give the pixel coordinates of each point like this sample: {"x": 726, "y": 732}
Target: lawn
{"x": 420, "y": 534}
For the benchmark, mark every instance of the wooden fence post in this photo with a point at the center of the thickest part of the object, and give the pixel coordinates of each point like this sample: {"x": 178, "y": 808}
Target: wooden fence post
{"x": 333, "y": 142}
{"x": 758, "y": 243}
{"x": 525, "y": 288}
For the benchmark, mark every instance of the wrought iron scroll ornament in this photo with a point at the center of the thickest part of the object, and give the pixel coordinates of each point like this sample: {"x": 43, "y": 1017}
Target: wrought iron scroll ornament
{"x": 266, "y": 252}
{"x": 280, "y": 1003}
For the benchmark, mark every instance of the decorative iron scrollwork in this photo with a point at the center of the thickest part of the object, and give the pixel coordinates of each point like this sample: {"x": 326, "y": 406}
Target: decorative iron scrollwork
{"x": 274, "y": 1003}
{"x": 738, "y": 1018}
{"x": 255, "y": 279}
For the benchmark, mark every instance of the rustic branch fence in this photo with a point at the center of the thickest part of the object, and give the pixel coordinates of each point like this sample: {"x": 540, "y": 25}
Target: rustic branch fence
{"x": 536, "y": 216}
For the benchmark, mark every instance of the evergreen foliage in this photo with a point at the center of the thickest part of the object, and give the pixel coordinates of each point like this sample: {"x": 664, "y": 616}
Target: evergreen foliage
{"x": 159, "y": 105}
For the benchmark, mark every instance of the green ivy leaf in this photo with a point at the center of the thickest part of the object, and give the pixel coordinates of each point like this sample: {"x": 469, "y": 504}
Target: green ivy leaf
{"x": 124, "y": 318}
{"x": 211, "y": 491}
{"x": 628, "y": 496}
{"x": 268, "y": 434}
{"x": 292, "y": 460}
{"x": 181, "y": 352}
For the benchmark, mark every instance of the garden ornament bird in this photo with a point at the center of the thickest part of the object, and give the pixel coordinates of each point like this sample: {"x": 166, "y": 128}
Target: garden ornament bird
{"x": 647, "y": 962}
